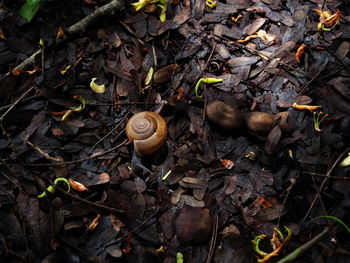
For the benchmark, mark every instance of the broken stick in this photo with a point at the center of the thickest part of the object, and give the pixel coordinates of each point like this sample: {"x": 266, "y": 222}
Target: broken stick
{"x": 109, "y": 9}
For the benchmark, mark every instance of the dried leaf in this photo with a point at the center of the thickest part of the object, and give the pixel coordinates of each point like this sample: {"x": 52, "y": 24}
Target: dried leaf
{"x": 77, "y": 186}
{"x": 227, "y": 163}
{"x": 164, "y": 74}
{"x": 268, "y": 38}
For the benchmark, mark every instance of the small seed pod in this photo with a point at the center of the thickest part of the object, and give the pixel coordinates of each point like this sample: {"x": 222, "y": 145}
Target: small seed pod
{"x": 223, "y": 115}
{"x": 260, "y": 122}
{"x": 148, "y": 131}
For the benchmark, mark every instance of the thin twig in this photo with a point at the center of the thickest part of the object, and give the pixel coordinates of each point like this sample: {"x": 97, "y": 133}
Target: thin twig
{"x": 80, "y": 27}
{"x": 328, "y": 174}
{"x": 323, "y": 175}
{"x": 109, "y": 133}
{"x": 17, "y": 101}
{"x": 45, "y": 154}
{"x": 93, "y": 156}
{"x": 213, "y": 239}
{"x": 297, "y": 252}
{"x": 110, "y": 209}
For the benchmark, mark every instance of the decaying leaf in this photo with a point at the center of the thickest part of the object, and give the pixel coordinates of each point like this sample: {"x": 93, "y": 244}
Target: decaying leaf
{"x": 77, "y": 186}
{"x": 267, "y": 38}
{"x": 97, "y": 88}
{"x": 165, "y": 74}
{"x": 227, "y": 163}
{"x": 327, "y": 20}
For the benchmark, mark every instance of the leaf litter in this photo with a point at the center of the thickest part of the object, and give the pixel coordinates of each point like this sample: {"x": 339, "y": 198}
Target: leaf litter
{"x": 209, "y": 191}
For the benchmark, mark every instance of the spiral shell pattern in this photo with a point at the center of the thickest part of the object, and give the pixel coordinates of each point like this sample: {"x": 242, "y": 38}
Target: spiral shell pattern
{"x": 143, "y": 126}
{"x": 148, "y": 131}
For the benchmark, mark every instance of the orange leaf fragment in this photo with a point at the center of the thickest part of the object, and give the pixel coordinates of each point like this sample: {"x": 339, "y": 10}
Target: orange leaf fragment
{"x": 300, "y": 52}
{"x": 247, "y": 39}
{"x": 18, "y": 72}
{"x": 264, "y": 203}
{"x": 77, "y": 186}
{"x": 305, "y": 107}
{"x": 94, "y": 223}
{"x": 333, "y": 20}
{"x": 60, "y": 33}
{"x": 227, "y": 163}
{"x": 180, "y": 93}
{"x": 327, "y": 20}
{"x": 129, "y": 247}
{"x": 233, "y": 19}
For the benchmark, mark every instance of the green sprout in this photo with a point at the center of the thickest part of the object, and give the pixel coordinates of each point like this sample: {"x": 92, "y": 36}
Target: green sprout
{"x": 76, "y": 109}
{"x": 207, "y": 81}
{"x": 179, "y": 257}
{"x": 256, "y": 243}
{"x": 155, "y": 3}
{"x": 318, "y": 117}
{"x": 51, "y": 189}
{"x": 277, "y": 242}
{"x": 210, "y": 3}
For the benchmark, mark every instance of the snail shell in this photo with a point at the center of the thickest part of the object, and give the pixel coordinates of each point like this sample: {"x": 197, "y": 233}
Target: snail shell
{"x": 148, "y": 131}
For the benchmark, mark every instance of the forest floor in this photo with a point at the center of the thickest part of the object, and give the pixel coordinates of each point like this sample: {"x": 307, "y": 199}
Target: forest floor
{"x": 208, "y": 194}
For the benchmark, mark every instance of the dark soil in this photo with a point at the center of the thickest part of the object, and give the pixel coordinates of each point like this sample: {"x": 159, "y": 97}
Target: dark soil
{"x": 209, "y": 190}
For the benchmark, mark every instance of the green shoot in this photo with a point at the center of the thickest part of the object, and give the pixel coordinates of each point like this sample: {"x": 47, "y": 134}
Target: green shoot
{"x": 318, "y": 117}
{"x": 335, "y": 219}
{"x": 51, "y": 189}
{"x": 207, "y": 81}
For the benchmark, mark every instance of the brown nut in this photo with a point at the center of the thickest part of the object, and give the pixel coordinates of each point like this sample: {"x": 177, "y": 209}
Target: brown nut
{"x": 193, "y": 226}
{"x": 283, "y": 121}
{"x": 260, "y": 122}
{"x": 148, "y": 131}
{"x": 223, "y": 115}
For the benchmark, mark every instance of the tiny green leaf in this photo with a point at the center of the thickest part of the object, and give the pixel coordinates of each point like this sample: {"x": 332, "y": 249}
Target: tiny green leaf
{"x": 30, "y": 8}
{"x": 346, "y": 161}
{"x": 179, "y": 257}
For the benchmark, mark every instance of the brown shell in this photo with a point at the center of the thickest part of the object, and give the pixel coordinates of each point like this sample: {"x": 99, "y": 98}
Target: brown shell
{"x": 260, "y": 122}
{"x": 223, "y": 115}
{"x": 148, "y": 131}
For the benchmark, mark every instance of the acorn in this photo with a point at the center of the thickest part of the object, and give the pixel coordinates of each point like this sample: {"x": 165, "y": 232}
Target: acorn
{"x": 194, "y": 226}
{"x": 223, "y": 115}
{"x": 259, "y": 122}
